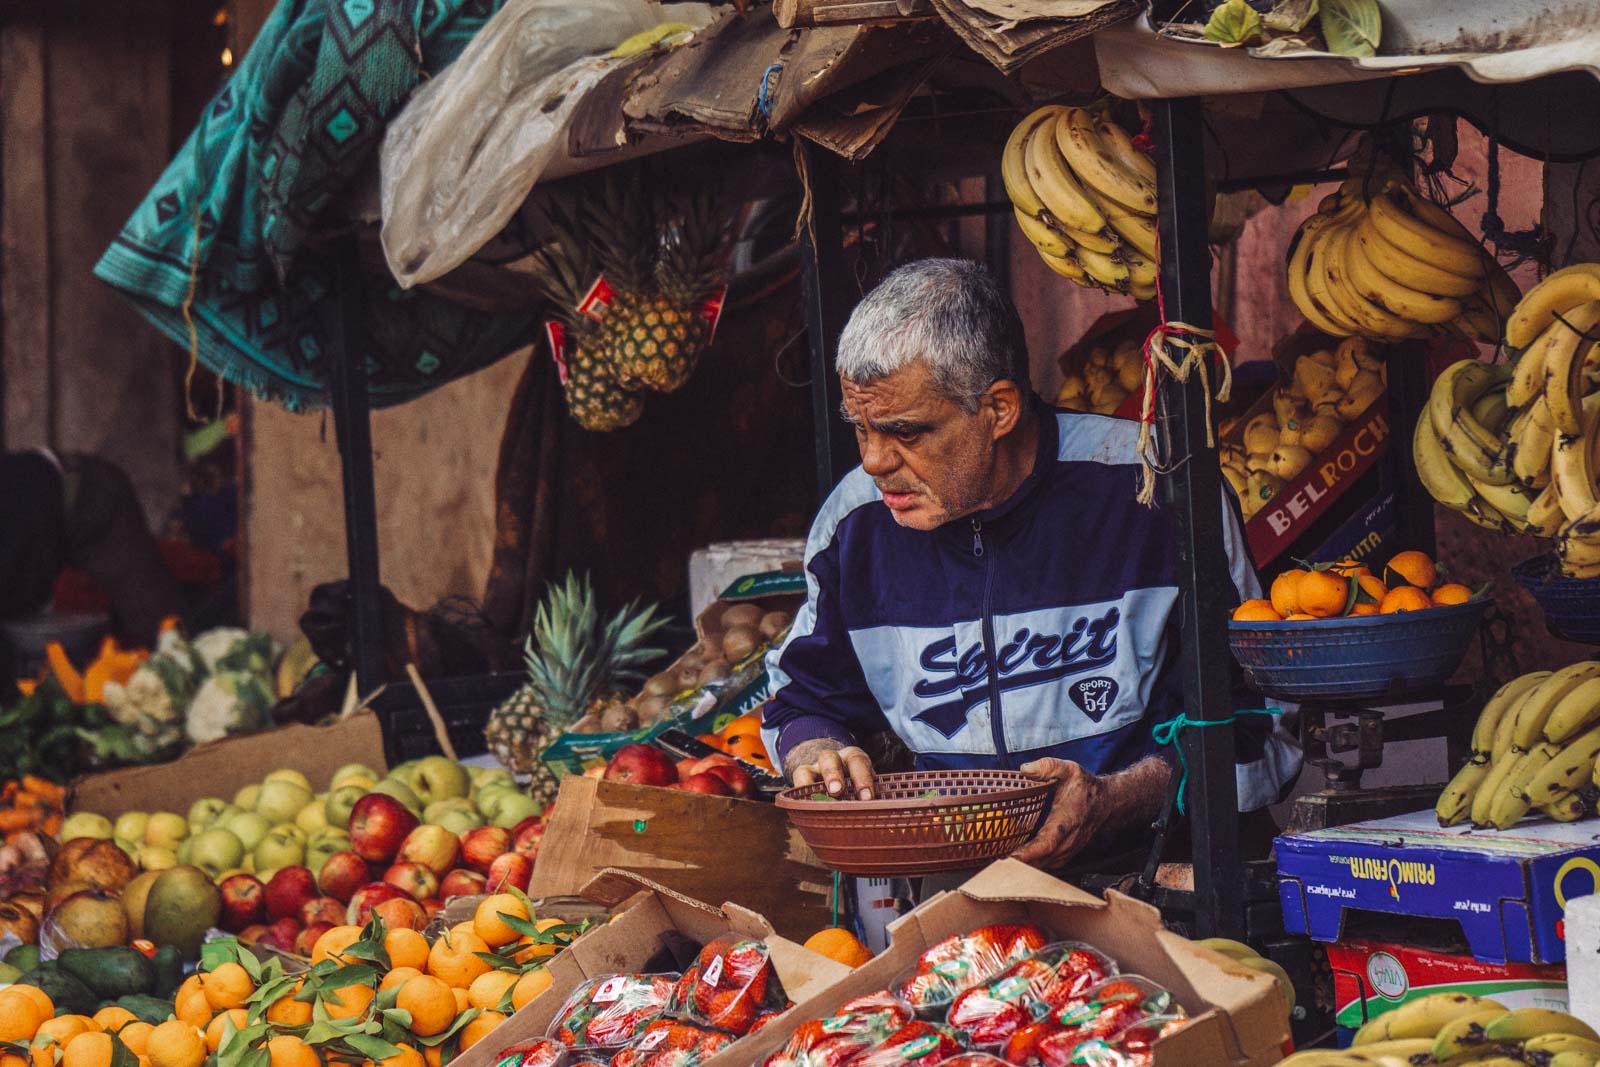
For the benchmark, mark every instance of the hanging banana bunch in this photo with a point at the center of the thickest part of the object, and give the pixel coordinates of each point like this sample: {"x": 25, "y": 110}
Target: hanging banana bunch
{"x": 1381, "y": 261}
{"x": 1085, "y": 197}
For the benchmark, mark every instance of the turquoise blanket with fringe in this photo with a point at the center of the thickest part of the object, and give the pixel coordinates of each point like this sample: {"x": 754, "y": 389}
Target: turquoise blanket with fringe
{"x": 233, "y": 238}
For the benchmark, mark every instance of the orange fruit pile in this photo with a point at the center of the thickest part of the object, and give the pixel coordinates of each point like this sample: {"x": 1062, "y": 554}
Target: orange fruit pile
{"x": 741, "y": 738}
{"x": 1410, "y": 582}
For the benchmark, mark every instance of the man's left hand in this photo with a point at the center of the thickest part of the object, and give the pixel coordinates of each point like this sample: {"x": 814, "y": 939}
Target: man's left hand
{"x": 1079, "y": 810}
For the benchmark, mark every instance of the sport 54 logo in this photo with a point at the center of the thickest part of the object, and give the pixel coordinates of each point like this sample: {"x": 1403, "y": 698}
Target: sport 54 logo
{"x": 1093, "y": 696}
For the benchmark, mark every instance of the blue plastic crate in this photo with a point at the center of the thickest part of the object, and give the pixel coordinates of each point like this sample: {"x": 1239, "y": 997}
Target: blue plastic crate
{"x": 1571, "y": 606}
{"x": 1356, "y": 658}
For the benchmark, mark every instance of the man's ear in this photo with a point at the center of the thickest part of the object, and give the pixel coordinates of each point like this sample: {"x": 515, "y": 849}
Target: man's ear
{"x": 1005, "y": 400}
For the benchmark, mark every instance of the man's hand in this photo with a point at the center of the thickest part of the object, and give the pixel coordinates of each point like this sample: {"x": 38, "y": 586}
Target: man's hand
{"x": 832, "y": 764}
{"x": 1086, "y": 805}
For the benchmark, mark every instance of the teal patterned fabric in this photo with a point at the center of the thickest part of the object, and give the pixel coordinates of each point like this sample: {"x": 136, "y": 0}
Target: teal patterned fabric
{"x": 244, "y": 212}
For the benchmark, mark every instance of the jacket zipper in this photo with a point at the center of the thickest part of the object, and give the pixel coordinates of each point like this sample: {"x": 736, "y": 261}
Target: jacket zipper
{"x": 996, "y": 717}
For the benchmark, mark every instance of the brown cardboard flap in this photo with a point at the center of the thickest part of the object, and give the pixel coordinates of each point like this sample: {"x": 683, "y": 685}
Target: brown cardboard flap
{"x": 613, "y": 886}
{"x": 218, "y": 768}
{"x": 1010, "y": 879}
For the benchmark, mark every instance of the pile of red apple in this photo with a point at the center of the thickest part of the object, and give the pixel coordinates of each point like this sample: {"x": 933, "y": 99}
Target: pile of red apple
{"x": 397, "y": 866}
{"x": 718, "y": 774}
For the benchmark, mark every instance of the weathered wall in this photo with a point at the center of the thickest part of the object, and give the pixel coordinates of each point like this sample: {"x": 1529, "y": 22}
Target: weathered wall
{"x": 86, "y": 127}
{"x": 434, "y": 462}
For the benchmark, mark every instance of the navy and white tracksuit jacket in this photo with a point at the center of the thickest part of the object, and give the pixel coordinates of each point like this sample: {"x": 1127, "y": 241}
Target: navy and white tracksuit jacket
{"x": 1069, "y": 587}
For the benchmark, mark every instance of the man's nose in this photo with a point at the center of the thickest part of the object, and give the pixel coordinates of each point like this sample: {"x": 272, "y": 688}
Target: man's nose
{"x": 877, "y": 458}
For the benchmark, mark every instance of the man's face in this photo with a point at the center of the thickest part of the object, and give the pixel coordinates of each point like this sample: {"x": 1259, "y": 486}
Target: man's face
{"x": 932, "y": 460}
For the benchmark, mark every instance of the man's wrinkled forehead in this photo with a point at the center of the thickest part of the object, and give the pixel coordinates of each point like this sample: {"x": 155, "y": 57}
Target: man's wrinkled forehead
{"x": 903, "y": 403}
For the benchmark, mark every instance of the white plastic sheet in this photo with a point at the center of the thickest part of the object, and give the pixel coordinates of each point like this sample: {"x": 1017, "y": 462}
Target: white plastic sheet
{"x": 471, "y": 144}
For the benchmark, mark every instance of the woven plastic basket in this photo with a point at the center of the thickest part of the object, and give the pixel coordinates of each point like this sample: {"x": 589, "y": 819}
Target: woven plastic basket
{"x": 1571, "y": 606}
{"x": 977, "y": 816}
{"x": 1356, "y": 658}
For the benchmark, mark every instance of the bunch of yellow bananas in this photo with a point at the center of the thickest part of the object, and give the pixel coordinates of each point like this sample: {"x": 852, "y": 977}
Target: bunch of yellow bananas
{"x": 1534, "y": 747}
{"x": 1554, "y": 335}
{"x": 1086, "y": 197}
{"x": 1461, "y": 1028}
{"x": 1394, "y": 265}
{"x": 1464, "y": 448}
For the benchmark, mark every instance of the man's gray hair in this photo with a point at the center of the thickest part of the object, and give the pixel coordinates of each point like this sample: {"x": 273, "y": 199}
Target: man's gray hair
{"x": 951, "y": 314}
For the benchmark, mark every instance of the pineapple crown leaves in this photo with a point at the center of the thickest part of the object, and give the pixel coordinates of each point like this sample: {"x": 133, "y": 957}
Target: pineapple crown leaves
{"x": 572, "y": 657}
{"x": 563, "y": 268}
{"x": 694, "y": 248}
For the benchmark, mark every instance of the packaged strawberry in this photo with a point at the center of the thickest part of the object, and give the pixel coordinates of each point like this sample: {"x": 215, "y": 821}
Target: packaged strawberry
{"x": 918, "y": 1042}
{"x": 610, "y": 1012}
{"x": 540, "y": 1052}
{"x": 855, "y": 1027}
{"x": 974, "y": 1059}
{"x": 671, "y": 1043}
{"x": 958, "y": 963}
{"x": 1102, "y": 1013}
{"x": 1027, "y": 990}
{"x": 735, "y": 983}
{"x": 1134, "y": 1047}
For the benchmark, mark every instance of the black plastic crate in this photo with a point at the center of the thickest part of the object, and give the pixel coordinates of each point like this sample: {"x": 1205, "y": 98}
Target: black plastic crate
{"x": 464, "y": 704}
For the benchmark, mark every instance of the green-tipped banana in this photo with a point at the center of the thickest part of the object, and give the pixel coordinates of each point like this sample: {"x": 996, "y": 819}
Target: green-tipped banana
{"x": 1567, "y": 770}
{"x": 1464, "y": 1035}
{"x": 1533, "y": 713}
{"x": 1525, "y": 1023}
{"x": 1426, "y": 1016}
{"x": 1455, "y": 803}
{"x": 1554, "y": 1043}
{"x": 1496, "y": 706}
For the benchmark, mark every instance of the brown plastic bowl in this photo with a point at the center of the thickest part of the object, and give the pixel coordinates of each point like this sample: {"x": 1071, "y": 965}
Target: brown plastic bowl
{"x": 978, "y": 816}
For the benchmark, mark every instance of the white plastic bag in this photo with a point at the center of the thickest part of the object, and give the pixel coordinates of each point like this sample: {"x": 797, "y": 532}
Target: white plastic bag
{"x": 470, "y": 145}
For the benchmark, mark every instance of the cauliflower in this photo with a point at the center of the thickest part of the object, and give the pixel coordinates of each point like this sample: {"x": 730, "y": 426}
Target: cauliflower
{"x": 155, "y": 696}
{"x": 214, "y": 644}
{"x": 229, "y": 702}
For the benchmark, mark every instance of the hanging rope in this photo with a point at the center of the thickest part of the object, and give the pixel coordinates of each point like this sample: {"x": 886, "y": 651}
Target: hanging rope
{"x": 1181, "y": 350}
{"x": 1521, "y": 244}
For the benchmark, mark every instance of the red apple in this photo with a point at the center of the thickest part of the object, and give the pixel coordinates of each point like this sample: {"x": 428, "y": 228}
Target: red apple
{"x": 401, "y": 911}
{"x": 541, "y": 819}
{"x": 323, "y": 910}
{"x": 431, "y": 907}
{"x": 252, "y": 933}
{"x": 480, "y": 846}
{"x": 414, "y": 878}
{"x": 368, "y": 897}
{"x": 716, "y": 759}
{"x": 514, "y": 869}
{"x": 378, "y": 827}
{"x": 707, "y": 783}
{"x": 306, "y": 939}
{"x": 244, "y": 902}
{"x": 281, "y": 935}
{"x": 342, "y": 874}
{"x": 289, "y": 891}
{"x": 642, "y": 765}
{"x": 736, "y": 779}
{"x": 686, "y": 767}
{"x": 461, "y": 883}
{"x": 432, "y": 846}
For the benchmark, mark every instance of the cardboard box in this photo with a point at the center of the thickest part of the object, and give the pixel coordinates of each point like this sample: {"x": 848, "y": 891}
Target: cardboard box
{"x": 783, "y": 590}
{"x": 1372, "y": 978}
{"x": 705, "y": 847}
{"x": 655, "y": 918}
{"x": 219, "y": 768}
{"x": 1239, "y": 1017}
{"x": 1506, "y": 889}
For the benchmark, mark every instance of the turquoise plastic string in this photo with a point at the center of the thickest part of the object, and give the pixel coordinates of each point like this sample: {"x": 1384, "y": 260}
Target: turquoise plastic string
{"x": 835, "y": 899}
{"x": 1166, "y": 733}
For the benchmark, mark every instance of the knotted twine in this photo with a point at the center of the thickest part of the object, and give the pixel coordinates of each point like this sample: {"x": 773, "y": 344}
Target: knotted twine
{"x": 1163, "y": 348}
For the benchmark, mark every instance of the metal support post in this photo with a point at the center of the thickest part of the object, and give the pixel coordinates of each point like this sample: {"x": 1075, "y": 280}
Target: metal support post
{"x": 823, "y": 277}
{"x": 352, "y": 424}
{"x": 1193, "y": 493}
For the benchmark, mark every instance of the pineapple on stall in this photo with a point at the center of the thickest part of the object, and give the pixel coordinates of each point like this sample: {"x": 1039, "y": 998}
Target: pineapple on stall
{"x": 595, "y": 399}
{"x": 578, "y": 667}
{"x": 662, "y": 270}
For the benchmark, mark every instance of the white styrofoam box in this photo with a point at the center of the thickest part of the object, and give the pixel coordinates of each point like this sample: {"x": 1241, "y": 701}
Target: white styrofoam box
{"x": 715, "y": 567}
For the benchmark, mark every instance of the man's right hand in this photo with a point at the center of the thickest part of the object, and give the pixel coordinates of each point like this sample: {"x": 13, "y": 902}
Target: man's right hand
{"x": 834, "y": 765}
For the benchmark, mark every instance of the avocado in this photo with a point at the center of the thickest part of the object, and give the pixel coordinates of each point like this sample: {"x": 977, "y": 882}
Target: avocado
{"x": 153, "y": 1010}
{"x": 110, "y": 972}
{"x": 169, "y": 971}
{"x": 8, "y": 973}
{"x": 24, "y": 957}
{"x": 70, "y": 996}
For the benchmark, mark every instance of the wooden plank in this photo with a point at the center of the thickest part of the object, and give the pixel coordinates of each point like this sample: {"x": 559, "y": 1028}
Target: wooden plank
{"x": 24, "y": 241}
{"x": 792, "y": 13}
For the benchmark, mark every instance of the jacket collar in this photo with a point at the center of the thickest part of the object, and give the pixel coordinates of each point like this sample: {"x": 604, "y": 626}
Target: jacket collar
{"x": 1044, "y": 459}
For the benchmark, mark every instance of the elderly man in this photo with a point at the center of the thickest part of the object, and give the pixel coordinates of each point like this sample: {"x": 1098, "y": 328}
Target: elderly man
{"x": 986, "y": 586}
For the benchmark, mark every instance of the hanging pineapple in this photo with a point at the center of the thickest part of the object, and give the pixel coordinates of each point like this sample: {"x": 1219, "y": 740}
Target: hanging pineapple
{"x": 563, "y": 273}
{"x": 577, "y": 666}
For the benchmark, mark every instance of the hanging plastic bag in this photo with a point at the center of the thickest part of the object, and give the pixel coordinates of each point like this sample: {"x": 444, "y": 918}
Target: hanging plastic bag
{"x": 470, "y": 145}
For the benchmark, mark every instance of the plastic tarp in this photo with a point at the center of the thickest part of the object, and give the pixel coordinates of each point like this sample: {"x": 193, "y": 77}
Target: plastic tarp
{"x": 469, "y": 147}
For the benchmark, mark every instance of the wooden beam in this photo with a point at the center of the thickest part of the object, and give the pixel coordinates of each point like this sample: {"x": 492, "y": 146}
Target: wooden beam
{"x": 792, "y": 13}
{"x": 25, "y": 302}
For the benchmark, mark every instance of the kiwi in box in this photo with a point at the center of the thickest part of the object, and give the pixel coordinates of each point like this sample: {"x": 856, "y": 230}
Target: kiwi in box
{"x": 722, "y": 676}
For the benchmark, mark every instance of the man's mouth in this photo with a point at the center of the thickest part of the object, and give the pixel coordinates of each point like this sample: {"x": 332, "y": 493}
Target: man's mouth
{"x": 898, "y": 501}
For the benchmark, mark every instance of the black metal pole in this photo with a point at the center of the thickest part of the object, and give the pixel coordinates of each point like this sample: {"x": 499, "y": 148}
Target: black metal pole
{"x": 1193, "y": 492}
{"x": 822, "y": 283}
{"x": 353, "y": 431}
